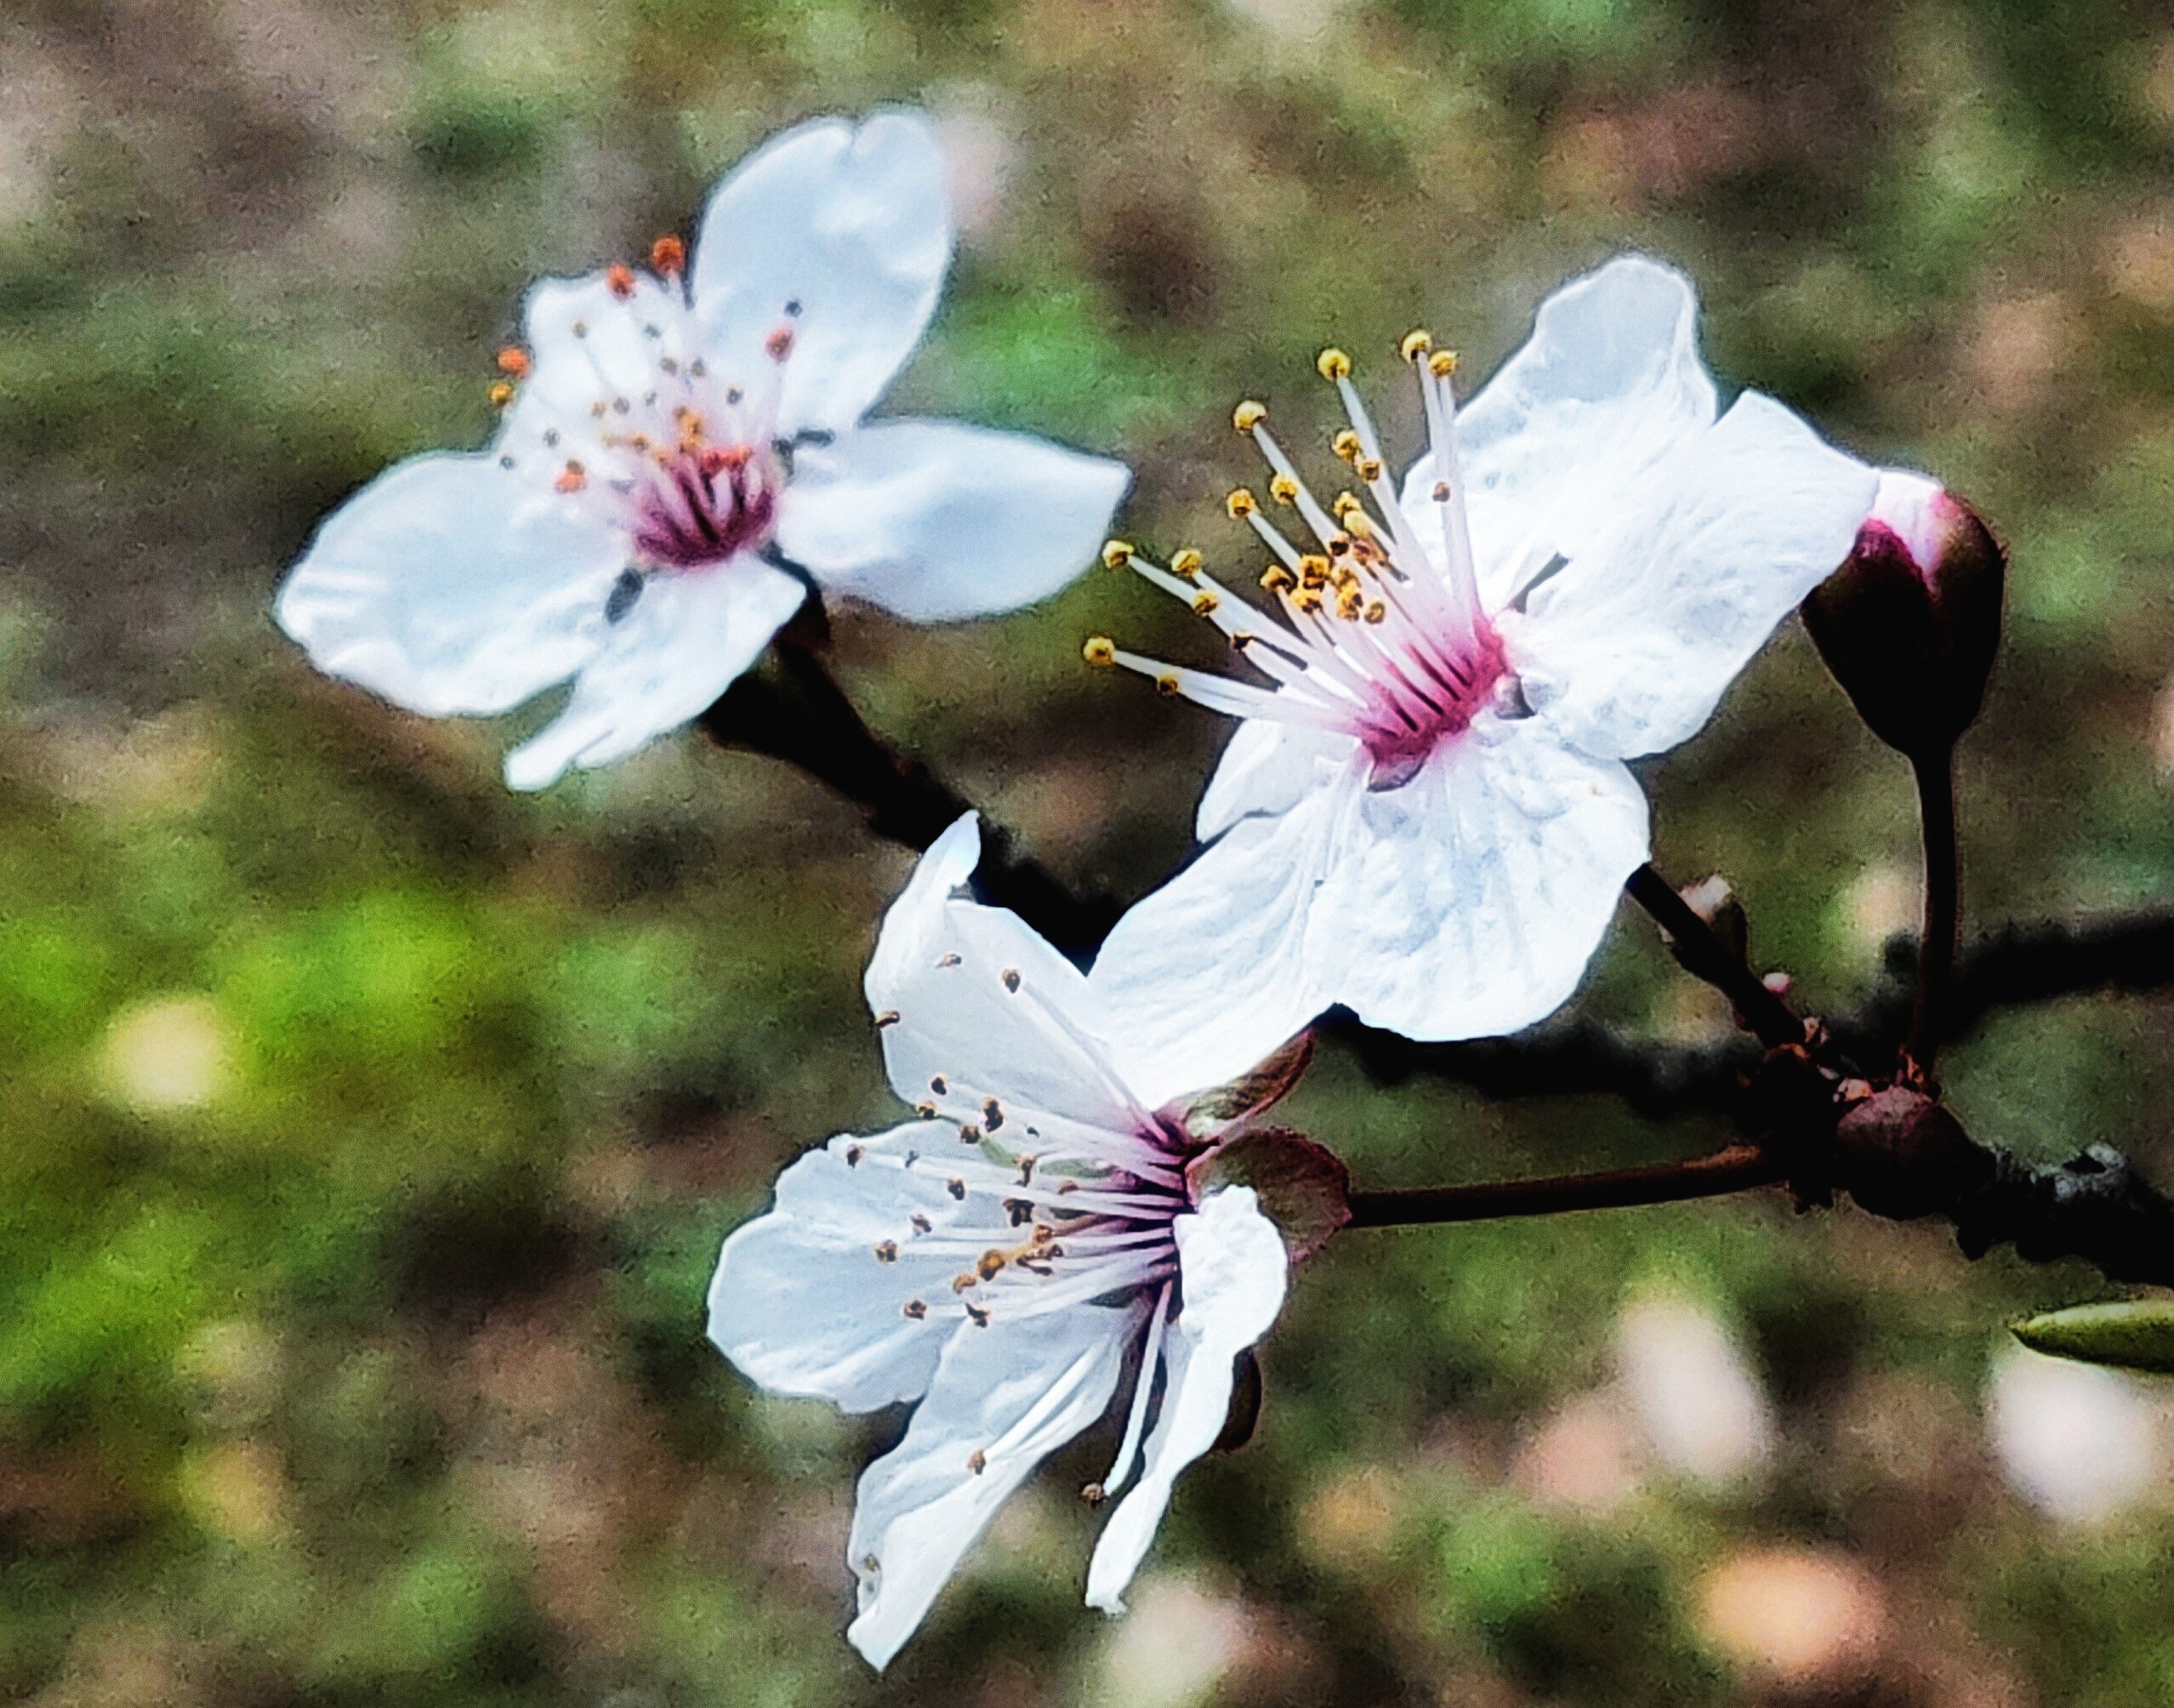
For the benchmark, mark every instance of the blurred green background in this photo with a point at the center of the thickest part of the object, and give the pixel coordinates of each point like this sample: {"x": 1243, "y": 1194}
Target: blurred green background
{"x": 370, "y": 1132}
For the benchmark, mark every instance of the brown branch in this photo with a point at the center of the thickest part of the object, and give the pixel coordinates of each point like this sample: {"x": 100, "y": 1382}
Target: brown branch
{"x": 1798, "y": 1104}
{"x": 1737, "y": 1169}
{"x": 793, "y": 709}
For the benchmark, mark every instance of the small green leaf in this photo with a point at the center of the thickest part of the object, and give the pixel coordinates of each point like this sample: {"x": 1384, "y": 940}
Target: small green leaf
{"x": 1304, "y": 1187}
{"x": 2135, "y": 1333}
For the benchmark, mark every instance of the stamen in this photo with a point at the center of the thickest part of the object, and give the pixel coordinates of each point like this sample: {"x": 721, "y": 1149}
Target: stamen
{"x": 668, "y": 256}
{"x": 619, "y": 278}
{"x": 1135, "y": 1423}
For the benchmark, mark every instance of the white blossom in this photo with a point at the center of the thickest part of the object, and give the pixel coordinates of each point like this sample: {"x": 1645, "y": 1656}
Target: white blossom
{"x": 1425, "y": 813}
{"x": 1003, "y": 1258}
{"x": 680, "y": 449}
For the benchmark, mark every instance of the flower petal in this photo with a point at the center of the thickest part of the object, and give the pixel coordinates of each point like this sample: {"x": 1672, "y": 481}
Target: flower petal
{"x": 1232, "y": 1272}
{"x": 587, "y": 348}
{"x": 448, "y": 586}
{"x": 803, "y": 1302}
{"x": 936, "y": 521}
{"x": 983, "y": 1001}
{"x": 850, "y": 226}
{"x": 1466, "y": 902}
{"x": 1609, "y": 384}
{"x": 1266, "y": 767}
{"x": 1210, "y": 971}
{"x": 1003, "y": 1399}
{"x": 1629, "y": 648}
{"x": 678, "y": 647}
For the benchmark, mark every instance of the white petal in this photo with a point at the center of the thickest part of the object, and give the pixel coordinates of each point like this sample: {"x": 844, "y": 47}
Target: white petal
{"x": 1013, "y": 1395}
{"x": 448, "y": 585}
{"x": 587, "y": 346}
{"x": 801, "y": 1301}
{"x": 1266, "y": 767}
{"x": 1210, "y": 971}
{"x": 941, "y": 964}
{"x": 680, "y": 646}
{"x": 1232, "y": 1272}
{"x": 1609, "y": 384}
{"x": 934, "y": 521}
{"x": 854, "y": 226}
{"x": 1466, "y": 902}
{"x": 1628, "y": 649}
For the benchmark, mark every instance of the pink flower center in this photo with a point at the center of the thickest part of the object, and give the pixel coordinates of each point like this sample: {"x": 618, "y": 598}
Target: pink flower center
{"x": 628, "y": 420}
{"x": 1426, "y": 696}
{"x": 700, "y": 505}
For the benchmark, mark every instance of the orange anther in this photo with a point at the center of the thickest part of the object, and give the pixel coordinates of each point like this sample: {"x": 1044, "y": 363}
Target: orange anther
{"x": 571, "y": 478}
{"x": 669, "y": 255}
{"x": 779, "y": 343}
{"x": 620, "y": 278}
{"x": 513, "y": 362}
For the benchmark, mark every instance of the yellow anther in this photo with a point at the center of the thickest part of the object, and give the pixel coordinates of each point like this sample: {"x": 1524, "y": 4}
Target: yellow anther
{"x": 1313, "y": 569}
{"x": 1340, "y": 545}
{"x": 1278, "y": 579}
{"x": 1306, "y": 599}
{"x": 1100, "y": 652}
{"x": 1248, "y": 415}
{"x": 1184, "y": 563}
{"x": 1360, "y": 524}
{"x": 501, "y": 394}
{"x": 1284, "y": 490}
{"x": 1346, "y": 445}
{"x": 1376, "y": 611}
{"x": 1443, "y": 363}
{"x": 1205, "y": 605}
{"x": 1241, "y": 502}
{"x": 1344, "y": 504}
{"x": 1369, "y": 469}
{"x": 992, "y": 1264}
{"x": 1117, "y": 554}
{"x": 1333, "y": 364}
{"x": 1167, "y": 686}
{"x": 1349, "y": 603}
{"x": 1415, "y": 346}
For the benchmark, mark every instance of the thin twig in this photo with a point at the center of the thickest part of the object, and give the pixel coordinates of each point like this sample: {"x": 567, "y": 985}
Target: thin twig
{"x": 1703, "y": 954}
{"x": 1737, "y": 1169}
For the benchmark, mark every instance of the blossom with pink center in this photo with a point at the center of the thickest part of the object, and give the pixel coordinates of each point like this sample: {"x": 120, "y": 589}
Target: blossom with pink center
{"x": 1425, "y": 813}
{"x": 1002, "y": 1258}
{"x": 683, "y": 454}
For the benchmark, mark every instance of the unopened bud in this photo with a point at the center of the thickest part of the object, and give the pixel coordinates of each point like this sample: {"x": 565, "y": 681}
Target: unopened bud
{"x": 1911, "y": 622}
{"x": 1902, "y": 1155}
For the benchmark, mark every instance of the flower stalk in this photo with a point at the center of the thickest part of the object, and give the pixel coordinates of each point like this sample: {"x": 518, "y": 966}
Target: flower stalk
{"x": 1936, "y": 947}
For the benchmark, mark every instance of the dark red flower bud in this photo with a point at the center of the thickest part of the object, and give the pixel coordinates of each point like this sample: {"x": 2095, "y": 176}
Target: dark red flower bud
{"x": 1911, "y": 622}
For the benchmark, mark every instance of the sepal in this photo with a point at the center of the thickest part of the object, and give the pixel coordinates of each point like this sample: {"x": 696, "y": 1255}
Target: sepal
{"x": 1209, "y": 1114}
{"x": 1304, "y": 1187}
